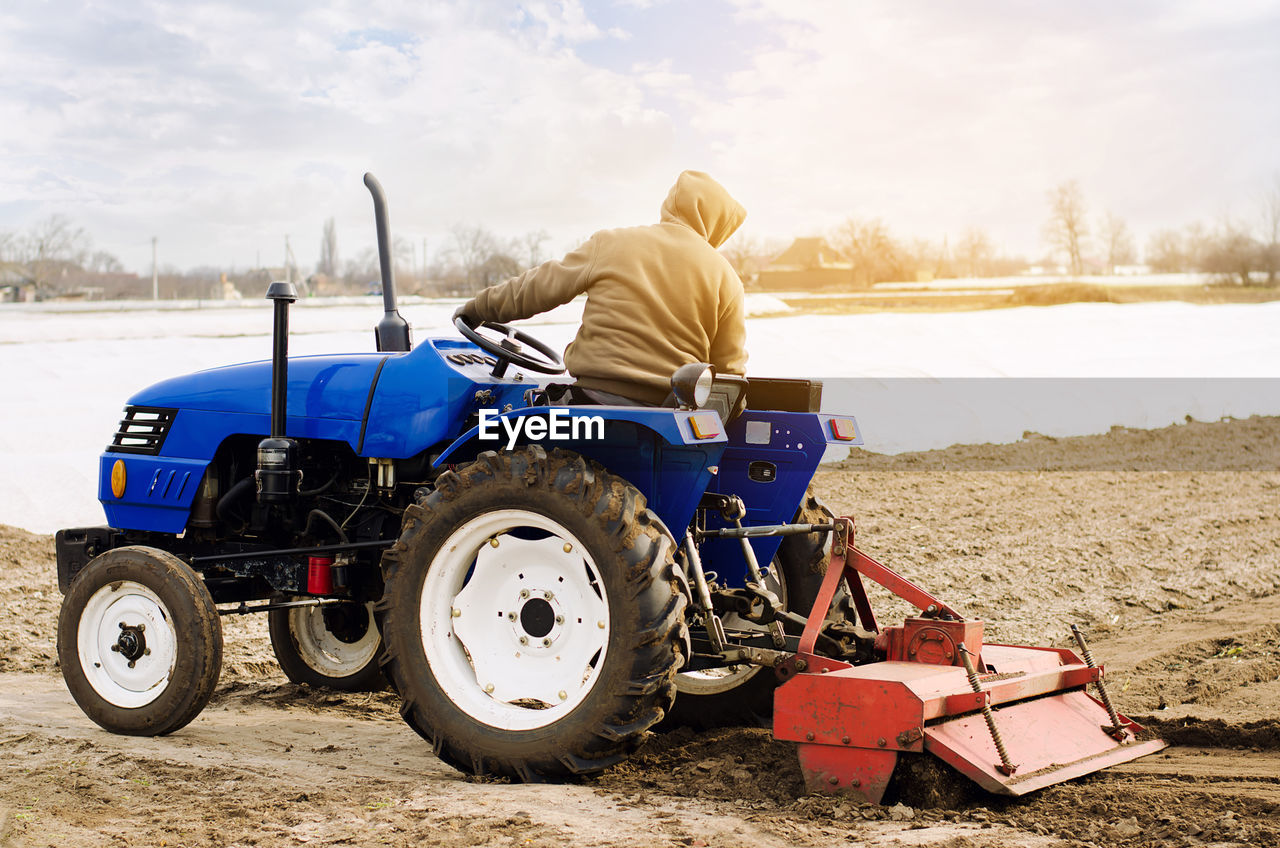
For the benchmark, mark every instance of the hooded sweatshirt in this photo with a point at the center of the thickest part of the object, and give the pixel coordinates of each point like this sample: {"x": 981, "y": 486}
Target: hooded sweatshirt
{"x": 658, "y": 296}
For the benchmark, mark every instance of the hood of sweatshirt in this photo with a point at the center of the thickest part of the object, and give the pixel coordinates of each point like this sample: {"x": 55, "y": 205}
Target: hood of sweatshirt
{"x": 703, "y": 205}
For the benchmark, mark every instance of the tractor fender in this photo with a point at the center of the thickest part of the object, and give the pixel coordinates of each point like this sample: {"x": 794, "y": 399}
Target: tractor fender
{"x": 673, "y": 426}
{"x": 670, "y": 455}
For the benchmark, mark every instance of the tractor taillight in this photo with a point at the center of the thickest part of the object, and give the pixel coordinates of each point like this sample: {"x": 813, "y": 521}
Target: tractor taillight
{"x": 844, "y": 429}
{"x": 705, "y": 426}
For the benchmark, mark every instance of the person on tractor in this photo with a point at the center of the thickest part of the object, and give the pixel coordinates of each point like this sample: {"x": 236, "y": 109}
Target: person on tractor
{"x": 658, "y": 297}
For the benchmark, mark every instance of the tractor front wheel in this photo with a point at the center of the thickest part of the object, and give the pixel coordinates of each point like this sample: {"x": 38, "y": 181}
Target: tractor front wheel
{"x": 139, "y": 642}
{"x": 532, "y": 616}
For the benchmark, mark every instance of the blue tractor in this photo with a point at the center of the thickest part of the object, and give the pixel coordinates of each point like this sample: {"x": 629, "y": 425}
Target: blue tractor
{"x": 541, "y": 583}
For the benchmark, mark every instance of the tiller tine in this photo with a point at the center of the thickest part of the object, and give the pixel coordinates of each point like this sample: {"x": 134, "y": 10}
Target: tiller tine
{"x": 1012, "y": 719}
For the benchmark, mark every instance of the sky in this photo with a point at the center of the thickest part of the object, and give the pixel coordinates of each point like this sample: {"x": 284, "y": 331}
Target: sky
{"x": 221, "y": 128}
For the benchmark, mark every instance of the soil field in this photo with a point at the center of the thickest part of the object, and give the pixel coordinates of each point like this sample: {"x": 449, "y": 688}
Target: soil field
{"x": 1175, "y": 574}
{"x": 925, "y": 299}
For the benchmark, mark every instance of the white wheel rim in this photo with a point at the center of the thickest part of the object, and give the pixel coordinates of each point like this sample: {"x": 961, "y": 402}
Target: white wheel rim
{"x": 151, "y": 644}
{"x": 713, "y": 681}
{"x": 324, "y": 652}
{"x": 480, "y": 600}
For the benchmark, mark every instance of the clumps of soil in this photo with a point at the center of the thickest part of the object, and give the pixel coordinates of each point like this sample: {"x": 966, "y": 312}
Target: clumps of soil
{"x": 29, "y": 601}
{"x": 1104, "y": 811}
{"x": 1214, "y": 733}
{"x": 383, "y": 705}
{"x": 1248, "y": 444}
{"x": 729, "y": 764}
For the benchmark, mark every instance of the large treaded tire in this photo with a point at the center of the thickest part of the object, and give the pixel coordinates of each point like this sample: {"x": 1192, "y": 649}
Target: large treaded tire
{"x": 802, "y": 563}
{"x": 174, "y": 642}
{"x": 634, "y": 576}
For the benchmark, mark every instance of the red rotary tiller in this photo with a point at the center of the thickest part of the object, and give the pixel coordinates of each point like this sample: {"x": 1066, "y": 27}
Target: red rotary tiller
{"x": 1012, "y": 719}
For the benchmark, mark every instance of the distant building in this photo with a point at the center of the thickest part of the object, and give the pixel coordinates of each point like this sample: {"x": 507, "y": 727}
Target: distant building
{"x": 808, "y": 264}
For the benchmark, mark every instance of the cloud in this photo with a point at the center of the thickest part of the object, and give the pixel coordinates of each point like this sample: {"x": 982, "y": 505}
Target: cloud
{"x": 222, "y": 127}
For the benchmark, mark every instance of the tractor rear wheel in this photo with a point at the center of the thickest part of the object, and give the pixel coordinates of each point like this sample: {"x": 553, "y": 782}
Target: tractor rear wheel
{"x": 532, "y": 616}
{"x": 335, "y": 646}
{"x": 139, "y": 642}
{"x": 743, "y": 694}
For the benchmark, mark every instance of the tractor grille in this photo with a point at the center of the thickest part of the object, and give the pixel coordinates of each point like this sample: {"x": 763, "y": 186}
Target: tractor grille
{"x": 143, "y": 430}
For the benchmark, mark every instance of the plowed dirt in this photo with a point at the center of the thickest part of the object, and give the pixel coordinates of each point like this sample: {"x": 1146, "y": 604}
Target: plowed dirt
{"x": 1174, "y": 574}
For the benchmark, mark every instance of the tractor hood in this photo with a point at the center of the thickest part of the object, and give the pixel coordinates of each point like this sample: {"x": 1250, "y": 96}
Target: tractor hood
{"x": 319, "y": 387}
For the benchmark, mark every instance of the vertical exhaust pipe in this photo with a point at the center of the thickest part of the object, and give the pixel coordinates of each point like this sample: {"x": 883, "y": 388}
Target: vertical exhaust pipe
{"x": 276, "y": 454}
{"x": 392, "y": 332}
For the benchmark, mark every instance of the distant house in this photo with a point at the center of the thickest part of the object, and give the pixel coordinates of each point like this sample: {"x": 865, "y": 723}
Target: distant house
{"x": 16, "y": 285}
{"x": 808, "y": 264}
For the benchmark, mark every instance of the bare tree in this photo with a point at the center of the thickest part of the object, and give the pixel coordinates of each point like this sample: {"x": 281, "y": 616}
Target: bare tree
{"x": 1270, "y": 221}
{"x": 52, "y": 247}
{"x": 1067, "y": 229}
{"x": 875, "y": 256}
{"x": 481, "y": 259}
{"x": 1118, "y": 241}
{"x": 103, "y": 263}
{"x": 1166, "y": 252}
{"x": 974, "y": 253}
{"x": 748, "y": 254}
{"x": 529, "y": 247}
{"x": 1233, "y": 254}
{"x": 328, "y": 263}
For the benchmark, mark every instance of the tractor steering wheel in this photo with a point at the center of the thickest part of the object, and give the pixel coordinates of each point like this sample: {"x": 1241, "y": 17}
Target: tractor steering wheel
{"x": 511, "y": 348}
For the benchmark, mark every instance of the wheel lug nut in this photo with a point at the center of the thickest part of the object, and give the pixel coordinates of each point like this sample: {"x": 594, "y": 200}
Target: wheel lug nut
{"x": 115, "y": 648}
{"x": 524, "y": 640}
{"x": 567, "y": 547}
{"x": 524, "y": 593}
{"x": 559, "y": 619}
{"x": 564, "y": 696}
{"x": 546, "y": 643}
{"x": 511, "y": 616}
{"x": 600, "y": 624}
{"x": 493, "y": 543}
{"x": 488, "y": 688}
{"x": 122, "y": 625}
{"x": 146, "y": 652}
{"x": 131, "y": 663}
{"x": 455, "y": 612}
{"x": 142, "y": 628}
{"x": 548, "y": 596}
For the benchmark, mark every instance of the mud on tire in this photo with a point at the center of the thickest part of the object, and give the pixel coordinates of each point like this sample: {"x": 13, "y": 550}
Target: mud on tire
{"x": 532, "y": 619}
{"x": 139, "y": 642}
{"x": 336, "y": 647}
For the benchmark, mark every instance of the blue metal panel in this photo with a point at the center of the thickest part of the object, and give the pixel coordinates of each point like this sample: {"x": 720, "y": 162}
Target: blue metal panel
{"x": 652, "y": 448}
{"x": 423, "y": 399}
{"x": 319, "y": 387}
{"x": 794, "y": 443}
{"x": 158, "y": 491}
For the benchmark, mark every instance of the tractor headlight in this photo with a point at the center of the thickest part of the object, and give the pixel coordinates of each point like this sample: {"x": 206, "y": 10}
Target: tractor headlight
{"x": 691, "y": 384}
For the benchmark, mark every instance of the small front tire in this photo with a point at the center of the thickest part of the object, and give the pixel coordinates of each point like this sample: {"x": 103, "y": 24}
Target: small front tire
{"x": 139, "y": 642}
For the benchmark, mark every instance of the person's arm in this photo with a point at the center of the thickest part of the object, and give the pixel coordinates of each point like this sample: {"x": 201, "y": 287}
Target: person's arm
{"x": 729, "y": 347}
{"x": 545, "y": 287}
